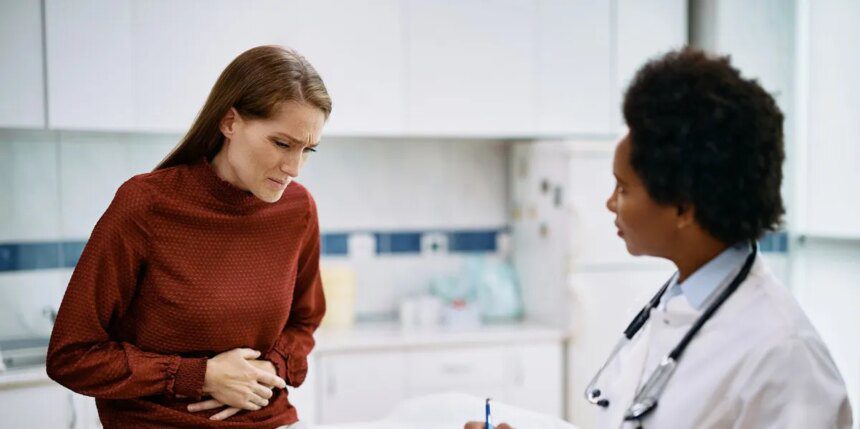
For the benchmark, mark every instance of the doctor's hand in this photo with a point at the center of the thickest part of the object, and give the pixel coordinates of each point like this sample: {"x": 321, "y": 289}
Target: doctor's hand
{"x": 480, "y": 425}
{"x": 235, "y": 378}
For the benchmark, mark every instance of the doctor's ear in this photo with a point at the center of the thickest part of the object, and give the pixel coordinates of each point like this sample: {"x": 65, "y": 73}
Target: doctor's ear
{"x": 686, "y": 216}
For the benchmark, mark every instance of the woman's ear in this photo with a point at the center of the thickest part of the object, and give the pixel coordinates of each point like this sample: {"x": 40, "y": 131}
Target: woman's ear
{"x": 229, "y": 122}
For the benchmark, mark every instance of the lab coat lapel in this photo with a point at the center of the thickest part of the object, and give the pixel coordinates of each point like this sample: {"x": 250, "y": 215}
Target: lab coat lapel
{"x": 623, "y": 379}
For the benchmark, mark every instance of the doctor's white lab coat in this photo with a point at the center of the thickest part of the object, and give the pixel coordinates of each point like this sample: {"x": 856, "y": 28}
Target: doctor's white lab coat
{"x": 758, "y": 363}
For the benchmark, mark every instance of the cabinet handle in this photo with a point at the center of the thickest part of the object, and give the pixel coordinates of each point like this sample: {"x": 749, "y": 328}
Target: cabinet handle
{"x": 456, "y": 369}
{"x": 331, "y": 385}
{"x": 520, "y": 373}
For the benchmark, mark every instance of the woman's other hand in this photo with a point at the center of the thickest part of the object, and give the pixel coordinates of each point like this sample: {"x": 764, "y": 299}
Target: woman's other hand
{"x": 235, "y": 378}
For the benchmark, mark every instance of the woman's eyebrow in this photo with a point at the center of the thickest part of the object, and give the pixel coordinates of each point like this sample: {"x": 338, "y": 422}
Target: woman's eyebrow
{"x": 293, "y": 139}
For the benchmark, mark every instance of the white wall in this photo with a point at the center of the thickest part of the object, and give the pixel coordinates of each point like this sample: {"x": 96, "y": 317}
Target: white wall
{"x": 54, "y": 186}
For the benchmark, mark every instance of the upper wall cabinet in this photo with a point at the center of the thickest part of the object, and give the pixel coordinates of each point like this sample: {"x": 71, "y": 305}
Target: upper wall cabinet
{"x": 574, "y": 63}
{"x": 644, "y": 30}
{"x": 22, "y": 88}
{"x": 507, "y": 68}
{"x": 829, "y": 108}
{"x": 471, "y": 68}
{"x": 149, "y": 65}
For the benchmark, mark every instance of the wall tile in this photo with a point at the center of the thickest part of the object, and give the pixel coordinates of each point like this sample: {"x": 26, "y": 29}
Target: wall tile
{"x": 29, "y": 206}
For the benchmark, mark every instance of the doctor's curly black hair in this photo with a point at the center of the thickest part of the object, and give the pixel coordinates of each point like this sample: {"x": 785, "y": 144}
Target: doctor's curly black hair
{"x": 704, "y": 136}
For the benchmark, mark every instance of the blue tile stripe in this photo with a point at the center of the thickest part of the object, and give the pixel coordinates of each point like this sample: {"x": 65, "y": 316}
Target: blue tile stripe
{"x": 774, "y": 242}
{"x": 65, "y": 254}
{"x": 472, "y": 241}
{"x": 397, "y": 242}
{"x": 335, "y": 244}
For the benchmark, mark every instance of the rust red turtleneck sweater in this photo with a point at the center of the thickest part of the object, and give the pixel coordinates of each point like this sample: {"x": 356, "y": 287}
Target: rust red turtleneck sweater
{"x": 181, "y": 267}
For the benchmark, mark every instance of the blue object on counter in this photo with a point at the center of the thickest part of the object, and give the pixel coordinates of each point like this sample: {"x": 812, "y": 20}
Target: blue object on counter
{"x": 496, "y": 290}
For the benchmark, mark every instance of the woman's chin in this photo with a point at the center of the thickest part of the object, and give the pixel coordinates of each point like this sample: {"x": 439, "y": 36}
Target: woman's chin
{"x": 269, "y": 196}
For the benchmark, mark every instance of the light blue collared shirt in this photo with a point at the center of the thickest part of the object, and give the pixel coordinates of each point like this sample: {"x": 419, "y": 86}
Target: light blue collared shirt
{"x": 704, "y": 282}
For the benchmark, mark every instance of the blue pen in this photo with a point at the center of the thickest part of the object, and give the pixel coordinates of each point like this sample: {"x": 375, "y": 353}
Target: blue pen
{"x": 488, "y": 424}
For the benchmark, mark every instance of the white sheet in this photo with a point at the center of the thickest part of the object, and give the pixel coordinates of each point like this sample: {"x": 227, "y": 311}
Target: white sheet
{"x": 452, "y": 411}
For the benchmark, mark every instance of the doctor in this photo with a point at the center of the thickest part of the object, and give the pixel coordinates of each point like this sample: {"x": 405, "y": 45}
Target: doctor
{"x": 723, "y": 344}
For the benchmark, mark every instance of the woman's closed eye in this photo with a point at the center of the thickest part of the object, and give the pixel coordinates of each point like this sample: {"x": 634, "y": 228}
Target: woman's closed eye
{"x": 284, "y": 145}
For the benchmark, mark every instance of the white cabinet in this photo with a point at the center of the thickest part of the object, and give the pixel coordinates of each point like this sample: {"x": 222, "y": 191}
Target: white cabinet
{"x": 22, "y": 88}
{"x": 360, "y": 386}
{"x": 149, "y": 65}
{"x": 574, "y": 63}
{"x": 828, "y": 108}
{"x": 471, "y": 68}
{"x": 643, "y": 30}
{"x": 46, "y": 405}
{"x": 90, "y": 64}
{"x": 509, "y": 68}
{"x": 364, "y": 385}
{"x": 357, "y": 48}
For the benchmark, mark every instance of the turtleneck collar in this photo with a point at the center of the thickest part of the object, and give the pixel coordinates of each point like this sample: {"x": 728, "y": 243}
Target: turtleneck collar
{"x": 223, "y": 190}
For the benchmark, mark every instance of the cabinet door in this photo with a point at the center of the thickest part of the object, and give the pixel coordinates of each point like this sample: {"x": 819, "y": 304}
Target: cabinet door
{"x": 22, "y": 88}
{"x": 360, "y": 386}
{"x": 537, "y": 380}
{"x": 470, "y": 67}
{"x": 829, "y": 129}
{"x": 574, "y": 66}
{"x": 357, "y": 48}
{"x": 45, "y": 406}
{"x": 482, "y": 372}
{"x": 643, "y": 31}
{"x": 90, "y": 63}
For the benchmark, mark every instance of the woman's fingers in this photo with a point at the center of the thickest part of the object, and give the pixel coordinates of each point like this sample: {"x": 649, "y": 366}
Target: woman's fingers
{"x": 258, "y": 401}
{"x": 268, "y": 379}
{"x": 204, "y": 405}
{"x": 226, "y": 413}
{"x": 248, "y": 353}
{"x": 262, "y": 391}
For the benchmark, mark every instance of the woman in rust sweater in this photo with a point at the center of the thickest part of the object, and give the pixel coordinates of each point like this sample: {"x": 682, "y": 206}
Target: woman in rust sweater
{"x": 195, "y": 299}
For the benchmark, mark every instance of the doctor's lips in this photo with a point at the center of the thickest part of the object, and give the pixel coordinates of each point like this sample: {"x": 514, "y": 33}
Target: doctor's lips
{"x": 620, "y": 232}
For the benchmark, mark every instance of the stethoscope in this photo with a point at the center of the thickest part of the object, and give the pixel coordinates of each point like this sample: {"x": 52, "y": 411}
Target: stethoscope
{"x": 646, "y": 397}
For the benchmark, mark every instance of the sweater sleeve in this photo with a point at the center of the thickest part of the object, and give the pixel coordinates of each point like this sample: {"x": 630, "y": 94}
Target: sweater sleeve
{"x": 291, "y": 350}
{"x": 84, "y": 354}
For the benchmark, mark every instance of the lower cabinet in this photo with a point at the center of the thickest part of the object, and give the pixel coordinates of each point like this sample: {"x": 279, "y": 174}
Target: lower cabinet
{"x": 354, "y": 386}
{"x": 46, "y": 405}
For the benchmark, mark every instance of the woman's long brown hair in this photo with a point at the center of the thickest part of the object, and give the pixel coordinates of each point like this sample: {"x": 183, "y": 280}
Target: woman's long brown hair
{"x": 255, "y": 84}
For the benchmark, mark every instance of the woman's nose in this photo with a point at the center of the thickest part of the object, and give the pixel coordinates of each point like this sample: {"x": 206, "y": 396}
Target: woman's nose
{"x": 291, "y": 165}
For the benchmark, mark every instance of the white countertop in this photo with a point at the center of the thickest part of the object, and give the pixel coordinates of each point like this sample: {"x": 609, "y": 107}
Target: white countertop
{"x": 369, "y": 336}
{"x": 389, "y": 335}
{"x": 28, "y": 376}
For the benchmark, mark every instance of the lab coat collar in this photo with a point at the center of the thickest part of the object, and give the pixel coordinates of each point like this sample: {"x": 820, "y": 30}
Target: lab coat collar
{"x": 700, "y": 287}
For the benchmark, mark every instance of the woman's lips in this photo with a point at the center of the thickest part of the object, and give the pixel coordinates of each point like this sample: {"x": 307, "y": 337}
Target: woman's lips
{"x": 279, "y": 184}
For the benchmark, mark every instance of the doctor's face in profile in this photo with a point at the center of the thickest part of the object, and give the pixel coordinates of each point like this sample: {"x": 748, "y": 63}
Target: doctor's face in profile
{"x": 647, "y": 227}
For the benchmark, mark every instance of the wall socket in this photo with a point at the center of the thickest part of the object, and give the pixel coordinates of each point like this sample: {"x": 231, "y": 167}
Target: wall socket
{"x": 434, "y": 243}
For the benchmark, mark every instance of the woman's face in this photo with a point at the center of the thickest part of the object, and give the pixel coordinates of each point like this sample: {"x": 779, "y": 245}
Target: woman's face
{"x": 648, "y": 228}
{"x": 263, "y": 156}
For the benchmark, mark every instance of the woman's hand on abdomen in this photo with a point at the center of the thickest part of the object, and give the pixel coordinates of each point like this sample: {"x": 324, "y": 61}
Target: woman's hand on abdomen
{"x": 237, "y": 380}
